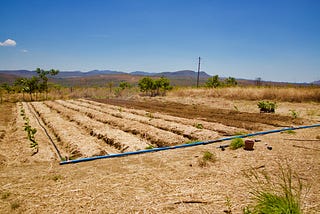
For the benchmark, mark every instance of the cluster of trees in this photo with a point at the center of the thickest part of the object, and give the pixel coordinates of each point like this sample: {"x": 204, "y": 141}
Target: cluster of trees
{"x": 154, "y": 87}
{"x": 215, "y": 81}
{"x": 34, "y": 84}
{"x": 151, "y": 87}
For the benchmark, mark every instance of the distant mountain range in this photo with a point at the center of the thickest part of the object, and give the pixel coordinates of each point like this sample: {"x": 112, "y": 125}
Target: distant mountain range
{"x": 183, "y": 77}
{"x": 68, "y": 74}
{"x": 316, "y": 82}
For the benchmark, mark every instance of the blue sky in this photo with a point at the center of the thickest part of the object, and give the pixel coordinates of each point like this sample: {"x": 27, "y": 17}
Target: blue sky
{"x": 276, "y": 40}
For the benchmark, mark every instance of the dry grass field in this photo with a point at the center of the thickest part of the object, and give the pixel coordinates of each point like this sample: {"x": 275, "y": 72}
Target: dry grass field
{"x": 173, "y": 181}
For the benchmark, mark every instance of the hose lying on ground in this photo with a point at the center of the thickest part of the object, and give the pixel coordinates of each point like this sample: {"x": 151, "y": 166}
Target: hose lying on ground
{"x": 187, "y": 145}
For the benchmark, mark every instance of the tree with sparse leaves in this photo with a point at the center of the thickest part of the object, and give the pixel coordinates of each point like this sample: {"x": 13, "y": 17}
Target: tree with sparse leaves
{"x": 35, "y": 83}
{"x": 43, "y": 75}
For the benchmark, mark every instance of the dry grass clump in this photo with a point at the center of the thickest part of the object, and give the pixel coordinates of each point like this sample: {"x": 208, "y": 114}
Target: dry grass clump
{"x": 206, "y": 158}
{"x": 275, "y": 93}
{"x": 289, "y": 94}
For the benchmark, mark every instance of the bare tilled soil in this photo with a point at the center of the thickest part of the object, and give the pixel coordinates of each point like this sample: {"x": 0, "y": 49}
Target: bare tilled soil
{"x": 245, "y": 120}
{"x": 174, "y": 181}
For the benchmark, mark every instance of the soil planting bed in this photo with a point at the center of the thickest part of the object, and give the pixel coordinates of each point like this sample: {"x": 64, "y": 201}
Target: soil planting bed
{"x": 172, "y": 181}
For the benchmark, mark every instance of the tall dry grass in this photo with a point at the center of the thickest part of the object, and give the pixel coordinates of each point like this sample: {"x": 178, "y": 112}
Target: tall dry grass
{"x": 288, "y": 94}
{"x": 64, "y": 93}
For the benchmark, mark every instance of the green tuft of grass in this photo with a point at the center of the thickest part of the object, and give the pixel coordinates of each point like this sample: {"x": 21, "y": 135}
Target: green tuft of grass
{"x": 239, "y": 133}
{"x": 190, "y": 142}
{"x": 273, "y": 203}
{"x": 236, "y": 143}
{"x": 282, "y": 194}
{"x": 290, "y": 132}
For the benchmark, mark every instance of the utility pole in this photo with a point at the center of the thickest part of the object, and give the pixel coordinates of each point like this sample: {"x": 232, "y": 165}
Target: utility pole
{"x": 198, "y": 72}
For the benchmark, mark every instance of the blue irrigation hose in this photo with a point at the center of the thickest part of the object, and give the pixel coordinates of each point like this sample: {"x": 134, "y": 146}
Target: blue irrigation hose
{"x": 186, "y": 145}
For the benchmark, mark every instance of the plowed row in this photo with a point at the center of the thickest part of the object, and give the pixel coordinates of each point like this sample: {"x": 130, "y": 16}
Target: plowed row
{"x": 84, "y": 128}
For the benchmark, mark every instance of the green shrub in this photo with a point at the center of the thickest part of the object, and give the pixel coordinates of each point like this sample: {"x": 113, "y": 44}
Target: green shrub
{"x": 267, "y": 106}
{"x": 123, "y": 85}
{"x": 154, "y": 87}
{"x": 236, "y": 143}
{"x": 214, "y": 82}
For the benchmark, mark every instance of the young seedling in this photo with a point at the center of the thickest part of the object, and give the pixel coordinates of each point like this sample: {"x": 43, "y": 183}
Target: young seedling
{"x": 199, "y": 126}
{"x": 30, "y": 132}
{"x": 294, "y": 114}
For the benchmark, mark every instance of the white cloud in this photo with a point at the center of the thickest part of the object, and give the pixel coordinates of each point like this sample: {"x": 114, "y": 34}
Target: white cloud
{"x": 8, "y": 42}
{"x": 24, "y": 51}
